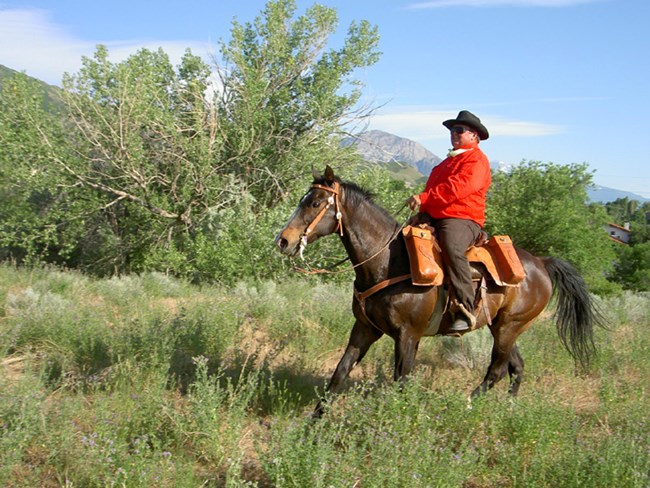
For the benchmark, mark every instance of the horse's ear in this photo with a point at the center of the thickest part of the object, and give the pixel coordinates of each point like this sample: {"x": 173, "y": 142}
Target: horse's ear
{"x": 329, "y": 174}
{"x": 315, "y": 173}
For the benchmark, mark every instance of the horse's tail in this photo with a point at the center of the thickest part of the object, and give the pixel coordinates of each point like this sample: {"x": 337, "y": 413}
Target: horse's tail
{"x": 576, "y": 314}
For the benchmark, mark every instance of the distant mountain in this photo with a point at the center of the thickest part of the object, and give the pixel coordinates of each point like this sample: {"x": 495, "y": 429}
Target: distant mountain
{"x": 51, "y": 94}
{"x": 381, "y": 147}
{"x": 603, "y": 194}
{"x": 500, "y": 166}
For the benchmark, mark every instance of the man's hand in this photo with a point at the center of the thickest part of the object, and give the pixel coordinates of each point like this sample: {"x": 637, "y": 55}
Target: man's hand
{"x": 414, "y": 202}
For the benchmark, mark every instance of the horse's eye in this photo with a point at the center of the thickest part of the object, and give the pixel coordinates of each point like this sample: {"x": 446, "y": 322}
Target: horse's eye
{"x": 315, "y": 204}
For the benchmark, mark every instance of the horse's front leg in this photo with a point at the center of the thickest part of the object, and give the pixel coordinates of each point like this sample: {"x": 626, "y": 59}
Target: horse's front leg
{"x": 361, "y": 338}
{"x": 406, "y": 348}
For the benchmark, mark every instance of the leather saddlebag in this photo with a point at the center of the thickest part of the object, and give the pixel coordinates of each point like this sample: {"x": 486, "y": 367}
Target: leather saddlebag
{"x": 506, "y": 259}
{"x": 421, "y": 246}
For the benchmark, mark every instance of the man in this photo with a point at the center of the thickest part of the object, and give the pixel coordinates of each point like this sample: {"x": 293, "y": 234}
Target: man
{"x": 453, "y": 201}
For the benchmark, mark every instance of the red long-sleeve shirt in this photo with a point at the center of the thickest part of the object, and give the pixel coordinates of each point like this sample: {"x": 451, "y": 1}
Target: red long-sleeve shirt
{"x": 458, "y": 187}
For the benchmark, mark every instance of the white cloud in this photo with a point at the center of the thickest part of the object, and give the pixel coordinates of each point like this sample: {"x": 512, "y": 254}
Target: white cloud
{"x": 413, "y": 123}
{"x": 497, "y": 3}
{"x": 31, "y": 42}
{"x": 519, "y": 128}
{"x": 424, "y": 125}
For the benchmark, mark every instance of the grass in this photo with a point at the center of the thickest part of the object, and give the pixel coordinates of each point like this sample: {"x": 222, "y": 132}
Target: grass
{"x": 148, "y": 381}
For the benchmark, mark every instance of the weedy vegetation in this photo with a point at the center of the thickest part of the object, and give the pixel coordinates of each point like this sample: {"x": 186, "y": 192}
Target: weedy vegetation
{"x": 146, "y": 380}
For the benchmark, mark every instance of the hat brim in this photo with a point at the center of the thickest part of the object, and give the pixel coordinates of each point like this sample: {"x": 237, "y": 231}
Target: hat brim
{"x": 479, "y": 128}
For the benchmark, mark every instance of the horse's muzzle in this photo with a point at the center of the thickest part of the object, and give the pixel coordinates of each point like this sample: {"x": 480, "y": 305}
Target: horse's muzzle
{"x": 288, "y": 241}
{"x": 285, "y": 247}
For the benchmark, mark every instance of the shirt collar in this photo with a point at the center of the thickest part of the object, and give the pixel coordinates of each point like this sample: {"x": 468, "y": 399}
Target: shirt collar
{"x": 455, "y": 152}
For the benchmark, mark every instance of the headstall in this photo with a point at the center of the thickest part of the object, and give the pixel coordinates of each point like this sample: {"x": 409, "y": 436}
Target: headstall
{"x": 333, "y": 199}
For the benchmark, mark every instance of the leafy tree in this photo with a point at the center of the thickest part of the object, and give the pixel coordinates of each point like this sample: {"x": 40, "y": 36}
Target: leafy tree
{"x": 542, "y": 206}
{"x": 145, "y": 145}
{"x": 144, "y": 133}
{"x": 37, "y": 203}
{"x": 639, "y": 233}
{"x": 632, "y": 269}
{"x": 284, "y": 96}
{"x": 153, "y": 166}
{"x": 622, "y": 209}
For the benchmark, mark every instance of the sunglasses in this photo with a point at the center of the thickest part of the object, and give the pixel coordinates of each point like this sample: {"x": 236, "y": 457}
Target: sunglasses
{"x": 460, "y": 130}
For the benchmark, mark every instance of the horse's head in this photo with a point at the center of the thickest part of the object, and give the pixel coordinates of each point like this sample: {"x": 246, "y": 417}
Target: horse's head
{"x": 318, "y": 214}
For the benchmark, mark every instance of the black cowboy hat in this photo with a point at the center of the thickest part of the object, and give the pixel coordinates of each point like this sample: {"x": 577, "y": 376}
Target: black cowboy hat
{"x": 470, "y": 120}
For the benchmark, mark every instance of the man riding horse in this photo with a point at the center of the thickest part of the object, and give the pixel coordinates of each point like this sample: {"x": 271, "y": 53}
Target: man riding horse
{"x": 453, "y": 202}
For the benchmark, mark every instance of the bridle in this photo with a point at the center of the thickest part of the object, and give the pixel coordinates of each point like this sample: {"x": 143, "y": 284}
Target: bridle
{"x": 333, "y": 199}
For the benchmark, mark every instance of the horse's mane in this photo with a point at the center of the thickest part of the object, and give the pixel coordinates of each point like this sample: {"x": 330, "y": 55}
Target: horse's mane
{"x": 356, "y": 196}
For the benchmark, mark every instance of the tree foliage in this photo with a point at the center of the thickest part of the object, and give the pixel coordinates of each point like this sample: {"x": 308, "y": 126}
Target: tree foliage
{"x": 283, "y": 95}
{"x": 37, "y": 201}
{"x": 632, "y": 268}
{"x": 543, "y": 207}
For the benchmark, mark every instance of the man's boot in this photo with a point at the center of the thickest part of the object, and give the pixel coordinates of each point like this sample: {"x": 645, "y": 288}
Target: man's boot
{"x": 464, "y": 320}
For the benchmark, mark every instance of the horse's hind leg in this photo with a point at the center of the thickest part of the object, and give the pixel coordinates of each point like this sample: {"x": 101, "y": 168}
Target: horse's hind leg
{"x": 497, "y": 370}
{"x": 505, "y": 359}
{"x": 515, "y": 370}
{"x": 495, "y": 373}
{"x": 361, "y": 338}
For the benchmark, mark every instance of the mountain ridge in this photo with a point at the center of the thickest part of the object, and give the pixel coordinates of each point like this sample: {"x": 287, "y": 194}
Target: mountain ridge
{"x": 383, "y": 147}
{"x": 392, "y": 151}
{"x": 603, "y": 194}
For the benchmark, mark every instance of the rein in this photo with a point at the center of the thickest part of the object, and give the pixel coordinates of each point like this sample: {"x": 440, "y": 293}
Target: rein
{"x": 349, "y": 268}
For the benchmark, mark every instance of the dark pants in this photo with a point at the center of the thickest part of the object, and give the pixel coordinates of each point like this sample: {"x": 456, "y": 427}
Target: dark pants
{"x": 455, "y": 236}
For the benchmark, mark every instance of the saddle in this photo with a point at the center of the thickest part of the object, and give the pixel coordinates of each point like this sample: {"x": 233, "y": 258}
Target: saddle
{"x": 493, "y": 257}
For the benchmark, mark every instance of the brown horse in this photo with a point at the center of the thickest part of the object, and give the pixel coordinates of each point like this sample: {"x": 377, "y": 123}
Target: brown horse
{"x": 387, "y": 303}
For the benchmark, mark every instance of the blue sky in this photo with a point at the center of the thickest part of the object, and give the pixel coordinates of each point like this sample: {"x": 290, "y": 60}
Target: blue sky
{"x": 562, "y": 81}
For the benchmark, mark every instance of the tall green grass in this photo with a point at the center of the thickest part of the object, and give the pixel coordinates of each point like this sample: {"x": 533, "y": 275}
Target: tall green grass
{"x": 148, "y": 381}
